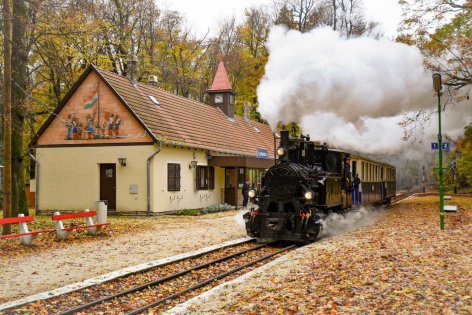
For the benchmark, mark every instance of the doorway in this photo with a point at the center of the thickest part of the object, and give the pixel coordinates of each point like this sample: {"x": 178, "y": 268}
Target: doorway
{"x": 108, "y": 185}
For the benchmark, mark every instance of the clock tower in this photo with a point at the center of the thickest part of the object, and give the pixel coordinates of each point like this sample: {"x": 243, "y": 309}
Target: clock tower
{"x": 221, "y": 94}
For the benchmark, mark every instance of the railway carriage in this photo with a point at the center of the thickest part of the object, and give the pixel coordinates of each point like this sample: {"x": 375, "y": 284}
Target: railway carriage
{"x": 307, "y": 184}
{"x": 377, "y": 181}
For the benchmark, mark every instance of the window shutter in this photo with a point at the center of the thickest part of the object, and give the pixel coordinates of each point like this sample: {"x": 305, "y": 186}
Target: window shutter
{"x": 173, "y": 177}
{"x": 197, "y": 178}
{"x": 211, "y": 177}
{"x": 177, "y": 177}
{"x": 169, "y": 176}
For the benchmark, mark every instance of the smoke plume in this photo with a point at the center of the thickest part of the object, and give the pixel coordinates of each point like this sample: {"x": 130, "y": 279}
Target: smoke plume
{"x": 350, "y": 93}
{"x": 355, "y": 78}
{"x": 336, "y": 224}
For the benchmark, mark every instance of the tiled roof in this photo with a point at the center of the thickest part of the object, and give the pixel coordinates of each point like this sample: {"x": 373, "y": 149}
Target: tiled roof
{"x": 182, "y": 121}
{"x": 221, "y": 81}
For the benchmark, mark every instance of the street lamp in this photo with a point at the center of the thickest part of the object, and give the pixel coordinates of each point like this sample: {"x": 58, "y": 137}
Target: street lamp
{"x": 437, "y": 84}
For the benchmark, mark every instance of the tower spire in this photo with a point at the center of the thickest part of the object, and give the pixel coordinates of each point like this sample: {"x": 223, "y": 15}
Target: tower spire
{"x": 221, "y": 81}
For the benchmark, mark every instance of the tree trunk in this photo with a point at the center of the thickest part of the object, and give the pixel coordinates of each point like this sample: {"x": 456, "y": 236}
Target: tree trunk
{"x": 7, "y": 204}
{"x": 19, "y": 87}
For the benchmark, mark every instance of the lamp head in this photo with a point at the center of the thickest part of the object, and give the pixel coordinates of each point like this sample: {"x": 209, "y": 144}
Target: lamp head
{"x": 437, "y": 83}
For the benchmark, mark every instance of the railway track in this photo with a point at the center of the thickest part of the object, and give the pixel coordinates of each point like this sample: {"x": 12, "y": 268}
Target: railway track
{"x": 411, "y": 192}
{"x": 161, "y": 287}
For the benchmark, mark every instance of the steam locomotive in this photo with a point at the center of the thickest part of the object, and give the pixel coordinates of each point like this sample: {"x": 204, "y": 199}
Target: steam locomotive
{"x": 307, "y": 183}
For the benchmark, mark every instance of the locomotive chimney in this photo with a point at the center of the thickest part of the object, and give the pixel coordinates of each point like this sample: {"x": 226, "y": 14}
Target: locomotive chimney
{"x": 284, "y": 136}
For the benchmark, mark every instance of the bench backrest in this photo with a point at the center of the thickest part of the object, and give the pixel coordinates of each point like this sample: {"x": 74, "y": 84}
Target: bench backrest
{"x": 16, "y": 220}
{"x": 74, "y": 215}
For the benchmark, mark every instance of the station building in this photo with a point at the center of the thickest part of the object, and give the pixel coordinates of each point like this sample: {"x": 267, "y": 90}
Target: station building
{"x": 145, "y": 150}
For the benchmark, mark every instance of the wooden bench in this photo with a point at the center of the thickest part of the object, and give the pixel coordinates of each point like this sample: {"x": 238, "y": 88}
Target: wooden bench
{"x": 26, "y": 237}
{"x": 92, "y": 228}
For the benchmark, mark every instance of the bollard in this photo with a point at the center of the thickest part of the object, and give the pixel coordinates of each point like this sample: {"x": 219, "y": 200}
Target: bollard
{"x": 25, "y": 239}
{"x": 102, "y": 211}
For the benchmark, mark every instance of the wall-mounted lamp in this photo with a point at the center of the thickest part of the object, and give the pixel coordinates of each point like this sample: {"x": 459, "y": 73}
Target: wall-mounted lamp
{"x": 193, "y": 164}
{"x": 122, "y": 161}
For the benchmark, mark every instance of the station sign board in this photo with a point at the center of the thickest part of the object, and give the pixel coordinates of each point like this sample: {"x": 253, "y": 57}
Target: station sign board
{"x": 262, "y": 154}
{"x": 445, "y": 146}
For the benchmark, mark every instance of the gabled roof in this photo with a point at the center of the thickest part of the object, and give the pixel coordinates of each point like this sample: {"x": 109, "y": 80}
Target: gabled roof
{"x": 181, "y": 121}
{"x": 221, "y": 81}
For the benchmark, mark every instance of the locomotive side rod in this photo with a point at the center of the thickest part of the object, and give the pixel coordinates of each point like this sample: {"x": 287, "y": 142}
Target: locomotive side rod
{"x": 157, "y": 282}
{"x": 208, "y": 281}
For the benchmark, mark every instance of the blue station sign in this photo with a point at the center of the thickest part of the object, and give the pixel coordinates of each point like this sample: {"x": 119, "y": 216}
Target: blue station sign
{"x": 262, "y": 154}
{"x": 445, "y": 146}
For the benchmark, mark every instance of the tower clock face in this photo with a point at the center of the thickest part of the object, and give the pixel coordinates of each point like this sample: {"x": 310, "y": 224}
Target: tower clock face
{"x": 218, "y": 98}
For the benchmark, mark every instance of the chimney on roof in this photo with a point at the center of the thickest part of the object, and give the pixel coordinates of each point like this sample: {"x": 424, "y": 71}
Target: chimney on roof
{"x": 152, "y": 80}
{"x": 247, "y": 112}
{"x": 221, "y": 94}
{"x": 132, "y": 68}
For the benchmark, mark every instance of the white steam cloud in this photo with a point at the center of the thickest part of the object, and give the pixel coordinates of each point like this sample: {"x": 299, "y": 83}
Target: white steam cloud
{"x": 336, "y": 224}
{"x": 355, "y": 78}
{"x": 350, "y": 93}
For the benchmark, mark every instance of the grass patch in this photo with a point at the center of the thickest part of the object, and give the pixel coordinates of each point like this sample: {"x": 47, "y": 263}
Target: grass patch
{"x": 191, "y": 212}
{"x": 210, "y": 209}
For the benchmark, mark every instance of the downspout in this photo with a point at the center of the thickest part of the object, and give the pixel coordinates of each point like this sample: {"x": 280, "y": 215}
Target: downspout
{"x": 36, "y": 179}
{"x": 149, "y": 179}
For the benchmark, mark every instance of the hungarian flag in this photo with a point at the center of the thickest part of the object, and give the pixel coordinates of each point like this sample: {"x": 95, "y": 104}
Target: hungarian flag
{"x": 91, "y": 102}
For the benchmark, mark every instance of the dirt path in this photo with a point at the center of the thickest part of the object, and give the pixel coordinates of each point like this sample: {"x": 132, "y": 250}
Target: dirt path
{"x": 25, "y": 275}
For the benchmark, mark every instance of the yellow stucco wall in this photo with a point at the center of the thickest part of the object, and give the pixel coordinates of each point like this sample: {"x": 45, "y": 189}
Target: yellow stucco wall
{"x": 187, "y": 197}
{"x": 70, "y": 178}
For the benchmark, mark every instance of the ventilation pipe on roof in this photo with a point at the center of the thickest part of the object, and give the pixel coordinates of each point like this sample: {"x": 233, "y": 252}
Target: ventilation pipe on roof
{"x": 247, "y": 112}
{"x": 132, "y": 68}
{"x": 149, "y": 179}
{"x": 152, "y": 80}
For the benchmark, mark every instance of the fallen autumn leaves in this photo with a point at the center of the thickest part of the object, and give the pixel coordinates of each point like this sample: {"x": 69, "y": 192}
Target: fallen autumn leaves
{"x": 402, "y": 263}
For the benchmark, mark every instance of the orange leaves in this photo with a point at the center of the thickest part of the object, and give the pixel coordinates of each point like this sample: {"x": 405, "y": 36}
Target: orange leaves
{"x": 402, "y": 263}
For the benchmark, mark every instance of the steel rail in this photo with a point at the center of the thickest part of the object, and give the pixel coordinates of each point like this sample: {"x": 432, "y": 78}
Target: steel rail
{"x": 157, "y": 282}
{"x": 208, "y": 281}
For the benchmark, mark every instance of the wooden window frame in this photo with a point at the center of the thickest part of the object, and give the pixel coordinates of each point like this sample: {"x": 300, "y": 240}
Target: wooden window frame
{"x": 208, "y": 181}
{"x": 173, "y": 173}
{"x": 211, "y": 177}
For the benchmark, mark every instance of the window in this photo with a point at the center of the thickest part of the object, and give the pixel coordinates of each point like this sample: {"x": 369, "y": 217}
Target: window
{"x": 154, "y": 100}
{"x": 173, "y": 177}
{"x": 205, "y": 177}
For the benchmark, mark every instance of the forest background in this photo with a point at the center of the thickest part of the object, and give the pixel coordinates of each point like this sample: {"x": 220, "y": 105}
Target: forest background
{"x": 53, "y": 41}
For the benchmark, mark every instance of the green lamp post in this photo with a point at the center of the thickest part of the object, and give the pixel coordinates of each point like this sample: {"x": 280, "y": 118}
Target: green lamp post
{"x": 437, "y": 84}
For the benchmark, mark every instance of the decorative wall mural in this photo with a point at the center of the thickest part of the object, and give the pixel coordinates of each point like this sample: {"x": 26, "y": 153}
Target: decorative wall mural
{"x": 94, "y": 115}
{"x": 95, "y": 126}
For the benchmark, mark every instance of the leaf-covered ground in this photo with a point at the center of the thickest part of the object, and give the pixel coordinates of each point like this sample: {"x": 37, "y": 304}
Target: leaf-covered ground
{"x": 400, "y": 264}
{"x": 51, "y": 263}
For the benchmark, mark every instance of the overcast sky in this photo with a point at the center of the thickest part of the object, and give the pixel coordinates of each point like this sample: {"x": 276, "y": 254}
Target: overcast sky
{"x": 204, "y": 14}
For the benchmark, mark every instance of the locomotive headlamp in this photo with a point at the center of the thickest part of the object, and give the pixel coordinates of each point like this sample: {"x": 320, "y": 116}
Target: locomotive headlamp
{"x": 309, "y": 195}
{"x": 281, "y": 151}
{"x": 252, "y": 193}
